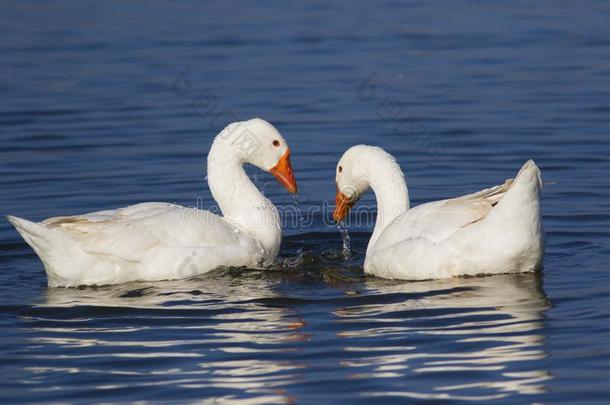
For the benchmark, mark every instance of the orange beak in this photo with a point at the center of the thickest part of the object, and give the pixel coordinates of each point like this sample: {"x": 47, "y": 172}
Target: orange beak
{"x": 342, "y": 205}
{"x": 283, "y": 172}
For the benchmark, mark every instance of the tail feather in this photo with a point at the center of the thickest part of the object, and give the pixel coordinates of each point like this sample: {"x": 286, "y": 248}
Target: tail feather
{"x": 524, "y": 193}
{"x": 36, "y": 235}
{"x": 51, "y": 246}
{"x": 529, "y": 172}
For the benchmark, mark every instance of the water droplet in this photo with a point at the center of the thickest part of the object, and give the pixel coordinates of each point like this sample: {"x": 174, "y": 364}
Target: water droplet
{"x": 347, "y": 250}
{"x": 259, "y": 182}
{"x": 301, "y": 222}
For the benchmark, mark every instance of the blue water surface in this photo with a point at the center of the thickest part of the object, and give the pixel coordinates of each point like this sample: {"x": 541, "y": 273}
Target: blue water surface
{"x": 105, "y": 104}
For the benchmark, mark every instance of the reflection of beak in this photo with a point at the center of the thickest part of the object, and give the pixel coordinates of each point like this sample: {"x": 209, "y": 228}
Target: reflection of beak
{"x": 342, "y": 205}
{"x": 283, "y": 172}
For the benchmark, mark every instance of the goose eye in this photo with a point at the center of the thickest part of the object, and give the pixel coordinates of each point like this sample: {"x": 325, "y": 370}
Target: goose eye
{"x": 340, "y": 169}
{"x": 276, "y": 143}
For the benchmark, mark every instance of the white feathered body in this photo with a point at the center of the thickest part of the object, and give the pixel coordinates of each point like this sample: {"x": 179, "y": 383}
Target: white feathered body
{"x": 162, "y": 241}
{"x": 148, "y": 241}
{"x": 497, "y": 230}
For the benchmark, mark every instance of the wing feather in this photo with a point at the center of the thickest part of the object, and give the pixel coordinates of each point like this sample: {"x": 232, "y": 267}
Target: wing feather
{"x": 129, "y": 233}
{"x": 438, "y": 220}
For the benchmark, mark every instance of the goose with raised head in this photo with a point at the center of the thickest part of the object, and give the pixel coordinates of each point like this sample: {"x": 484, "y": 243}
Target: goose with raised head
{"x": 493, "y": 231}
{"x": 162, "y": 241}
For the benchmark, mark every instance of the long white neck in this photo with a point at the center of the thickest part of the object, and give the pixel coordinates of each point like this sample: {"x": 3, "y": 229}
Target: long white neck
{"x": 241, "y": 203}
{"x": 388, "y": 182}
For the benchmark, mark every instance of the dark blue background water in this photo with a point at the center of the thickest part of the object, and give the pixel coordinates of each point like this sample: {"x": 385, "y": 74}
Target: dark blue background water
{"x": 462, "y": 93}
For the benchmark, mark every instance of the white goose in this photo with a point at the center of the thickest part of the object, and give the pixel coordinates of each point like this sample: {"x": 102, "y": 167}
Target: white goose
{"x": 496, "y": 230}
{"x": 161, "y": 241}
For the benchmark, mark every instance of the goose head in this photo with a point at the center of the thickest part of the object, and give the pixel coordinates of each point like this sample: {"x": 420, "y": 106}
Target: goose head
{"x": 364, "y": 167}
{"x": 351, "y": 179}
{"x": 261, "y": 144}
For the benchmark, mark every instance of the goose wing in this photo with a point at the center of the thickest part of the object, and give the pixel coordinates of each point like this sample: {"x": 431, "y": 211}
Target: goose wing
{"x": 129, "y": 233}
{"x": 438, "y": 220}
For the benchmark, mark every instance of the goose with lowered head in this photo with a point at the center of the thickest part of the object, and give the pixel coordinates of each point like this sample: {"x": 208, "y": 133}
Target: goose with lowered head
{"x": 496, "y": 230}
{"x": 162, "y": 241}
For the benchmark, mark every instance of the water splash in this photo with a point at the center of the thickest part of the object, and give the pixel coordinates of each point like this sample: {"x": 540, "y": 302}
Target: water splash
{"x": 299, "y": 212}
{"x": 347, "y": 250}
{"x": 260, "y": 182}
{"x": 301, "y": 220}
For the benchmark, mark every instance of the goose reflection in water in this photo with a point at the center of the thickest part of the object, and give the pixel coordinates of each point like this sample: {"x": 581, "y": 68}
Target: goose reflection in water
{"x": 270, "y": 335}
{"x": 470, "y": 331}
{"x": 212, "y": 333}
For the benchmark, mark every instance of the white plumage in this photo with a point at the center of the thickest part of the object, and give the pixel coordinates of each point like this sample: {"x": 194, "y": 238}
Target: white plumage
{"x": 161, "y": 241}
{"x": 496, "y": 230}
